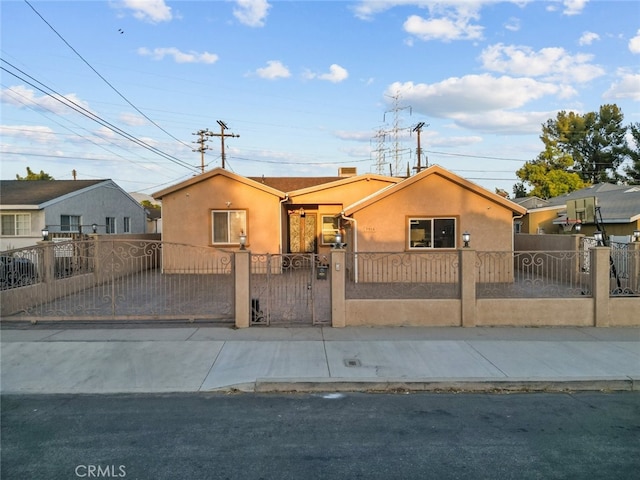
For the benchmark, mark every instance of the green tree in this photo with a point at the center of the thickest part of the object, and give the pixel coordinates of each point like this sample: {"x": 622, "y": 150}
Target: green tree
{"x": 549, "y": 174}
{"x": 595, "y": 142}
{"x": 633, "y": 154}
{"x": 31, "y": 175}
{"x": 150, "y": 205}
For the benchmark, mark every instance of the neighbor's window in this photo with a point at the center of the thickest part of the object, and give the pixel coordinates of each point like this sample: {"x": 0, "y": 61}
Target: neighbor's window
{"x": 127, "y": 225}
{"x": 110, "y": 223}
{"x": 69, "y": 223}
{"x": 330, "y": 227}
{"x": 16, "y": 224}
{"x": 228, "y": 225}
{"x": 432, "y": 233}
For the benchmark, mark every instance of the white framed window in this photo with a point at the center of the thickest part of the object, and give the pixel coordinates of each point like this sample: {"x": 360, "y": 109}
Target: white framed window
{"x": 70, "y": 223}
{"x": 227, "y": 226}
{"x": 110, "y": 223}
{"x": 432, "y": 233}
{"x": 330, "y": 227}
{"x": 127, "y": 225}
{"x": 16, "y": 224}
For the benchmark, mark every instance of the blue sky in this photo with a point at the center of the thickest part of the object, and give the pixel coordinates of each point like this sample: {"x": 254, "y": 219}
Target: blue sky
{"x": 309, "y": 86}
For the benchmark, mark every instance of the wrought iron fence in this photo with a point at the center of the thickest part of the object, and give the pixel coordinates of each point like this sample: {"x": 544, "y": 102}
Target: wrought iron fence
{"x": 94, "y": 279}
{"x": 407, "y": 275}
{"x": 625, "y": 272}
{"x": 290, "y": 289}
{"x": 531, "y": 275}
{"x": 20, "y": 267}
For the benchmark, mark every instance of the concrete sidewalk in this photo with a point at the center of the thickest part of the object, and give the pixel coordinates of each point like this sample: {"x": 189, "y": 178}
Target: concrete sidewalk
{"x": 200, "y": 359}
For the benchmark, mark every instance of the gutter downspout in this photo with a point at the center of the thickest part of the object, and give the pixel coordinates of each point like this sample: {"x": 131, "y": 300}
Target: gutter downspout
{"x": 513, "y": 237}
{"x": 355, "y": 243}
{"x": 285, "y": 199}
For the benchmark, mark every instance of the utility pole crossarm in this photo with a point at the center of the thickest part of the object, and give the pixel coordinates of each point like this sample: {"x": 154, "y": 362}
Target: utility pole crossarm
{"x": 222, "y": 135}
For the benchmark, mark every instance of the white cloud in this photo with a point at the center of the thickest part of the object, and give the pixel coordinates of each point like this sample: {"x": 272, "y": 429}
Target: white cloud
{"x": 273, "y": 70}
{"x": 504, "y": 122}
{"x": 513, "y": 24}
{"x": 474, "y": 94}
{"x": 38, "y": 134}
{"x": 587, "y": 38}
{"x": 132, "y": 119}
{"x": 574, "y": 7}
{"x": 552, "y": 63}
{"x": 627, "y": 87}
{"x": 445, "y": 29}
{"x": 634, "y": 43}
{"x": 336, "y": 74}
{"x": 178, "y": 56}
{"x": 252, "y": 12}
{"x": 153, "y": 11}
{"x": 20, "y": 96}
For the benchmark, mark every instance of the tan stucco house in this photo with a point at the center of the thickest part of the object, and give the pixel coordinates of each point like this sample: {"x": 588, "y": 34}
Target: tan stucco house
{"x": 276, "y": 214}
{"x": 427, "y": 211}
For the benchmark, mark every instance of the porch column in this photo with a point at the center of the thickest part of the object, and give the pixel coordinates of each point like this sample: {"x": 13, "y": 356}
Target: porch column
{"x": 468, "y": 286}
{"x": 242, "y": 270}
{"x": 601, "y": 284}
{"x": 338, "y": 300}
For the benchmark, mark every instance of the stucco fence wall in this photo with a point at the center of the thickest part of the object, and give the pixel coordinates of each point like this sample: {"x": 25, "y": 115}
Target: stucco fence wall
{"x": 596, "y": 308}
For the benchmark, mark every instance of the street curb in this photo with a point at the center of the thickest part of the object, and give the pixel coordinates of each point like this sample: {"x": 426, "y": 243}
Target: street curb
{"x": 275, "y": 385}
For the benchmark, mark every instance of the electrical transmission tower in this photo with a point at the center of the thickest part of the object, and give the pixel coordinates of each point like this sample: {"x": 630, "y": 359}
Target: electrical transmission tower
{"x": 379, "y": 151}
{"x": 397, "y": 152}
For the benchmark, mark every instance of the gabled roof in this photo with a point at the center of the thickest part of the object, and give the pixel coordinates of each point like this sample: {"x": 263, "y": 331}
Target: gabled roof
{"x": 618, "y": 203}
{"x": 38, "y": 192}
{"x": 434, "y": 170}
{"x": 289, "y": 184}
{"x": 218, "y": 171}
{"x": 339, "y": 181}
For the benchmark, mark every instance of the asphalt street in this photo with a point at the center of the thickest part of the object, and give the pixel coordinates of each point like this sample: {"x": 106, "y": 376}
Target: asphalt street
{"x": 321, "y": 436}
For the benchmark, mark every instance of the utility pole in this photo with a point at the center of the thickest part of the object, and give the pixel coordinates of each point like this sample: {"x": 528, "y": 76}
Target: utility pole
{"x": 418, "y": 129}
{"x": 222, "y": 136}
{"x": 202, "y": 133}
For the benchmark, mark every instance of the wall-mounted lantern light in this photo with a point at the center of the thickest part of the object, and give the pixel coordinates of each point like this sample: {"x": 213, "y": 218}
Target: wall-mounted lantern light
{"x": 636, "y": 235}
{"x": 578, "y": 227}
{"x": 94, "y": 227}
{"x": 45, "y": 233}
{"x": 339, "y": 243}
{"x": 599, "y": 238}
{"x": 466, "y": 238}
{"x": 243, "y": 241}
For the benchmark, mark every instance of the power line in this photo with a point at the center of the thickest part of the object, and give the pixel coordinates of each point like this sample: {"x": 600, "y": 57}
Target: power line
{"x": 101, "y": 77}
{"x": 92, "y": 116}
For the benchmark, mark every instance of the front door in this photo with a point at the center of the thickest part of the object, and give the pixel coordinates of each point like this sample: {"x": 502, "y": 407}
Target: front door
{"x": 302, "y": 233}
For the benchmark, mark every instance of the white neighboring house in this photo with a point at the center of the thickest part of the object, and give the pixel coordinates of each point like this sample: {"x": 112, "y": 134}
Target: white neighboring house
{"x": 65, "y": 207}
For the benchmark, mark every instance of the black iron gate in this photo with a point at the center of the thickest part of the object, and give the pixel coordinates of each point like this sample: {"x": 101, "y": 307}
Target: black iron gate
{"x": 290, "y": 289}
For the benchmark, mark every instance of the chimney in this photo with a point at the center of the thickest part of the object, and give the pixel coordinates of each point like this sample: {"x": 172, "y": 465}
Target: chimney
{"x": 345, "y": 172}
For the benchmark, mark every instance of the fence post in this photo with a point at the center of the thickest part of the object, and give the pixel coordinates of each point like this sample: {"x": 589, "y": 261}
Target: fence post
{"x": 634, "y": 267}
{"x": 467, "y": 267}
{"x": 601, "y": 284}
{"x": 338, "y": 294}
{"x": 47, "y": 270}
{"x": 242, "y": 271}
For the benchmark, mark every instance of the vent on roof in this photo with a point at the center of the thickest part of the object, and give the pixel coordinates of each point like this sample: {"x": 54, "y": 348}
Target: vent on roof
{"x": 347, "y": 171}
